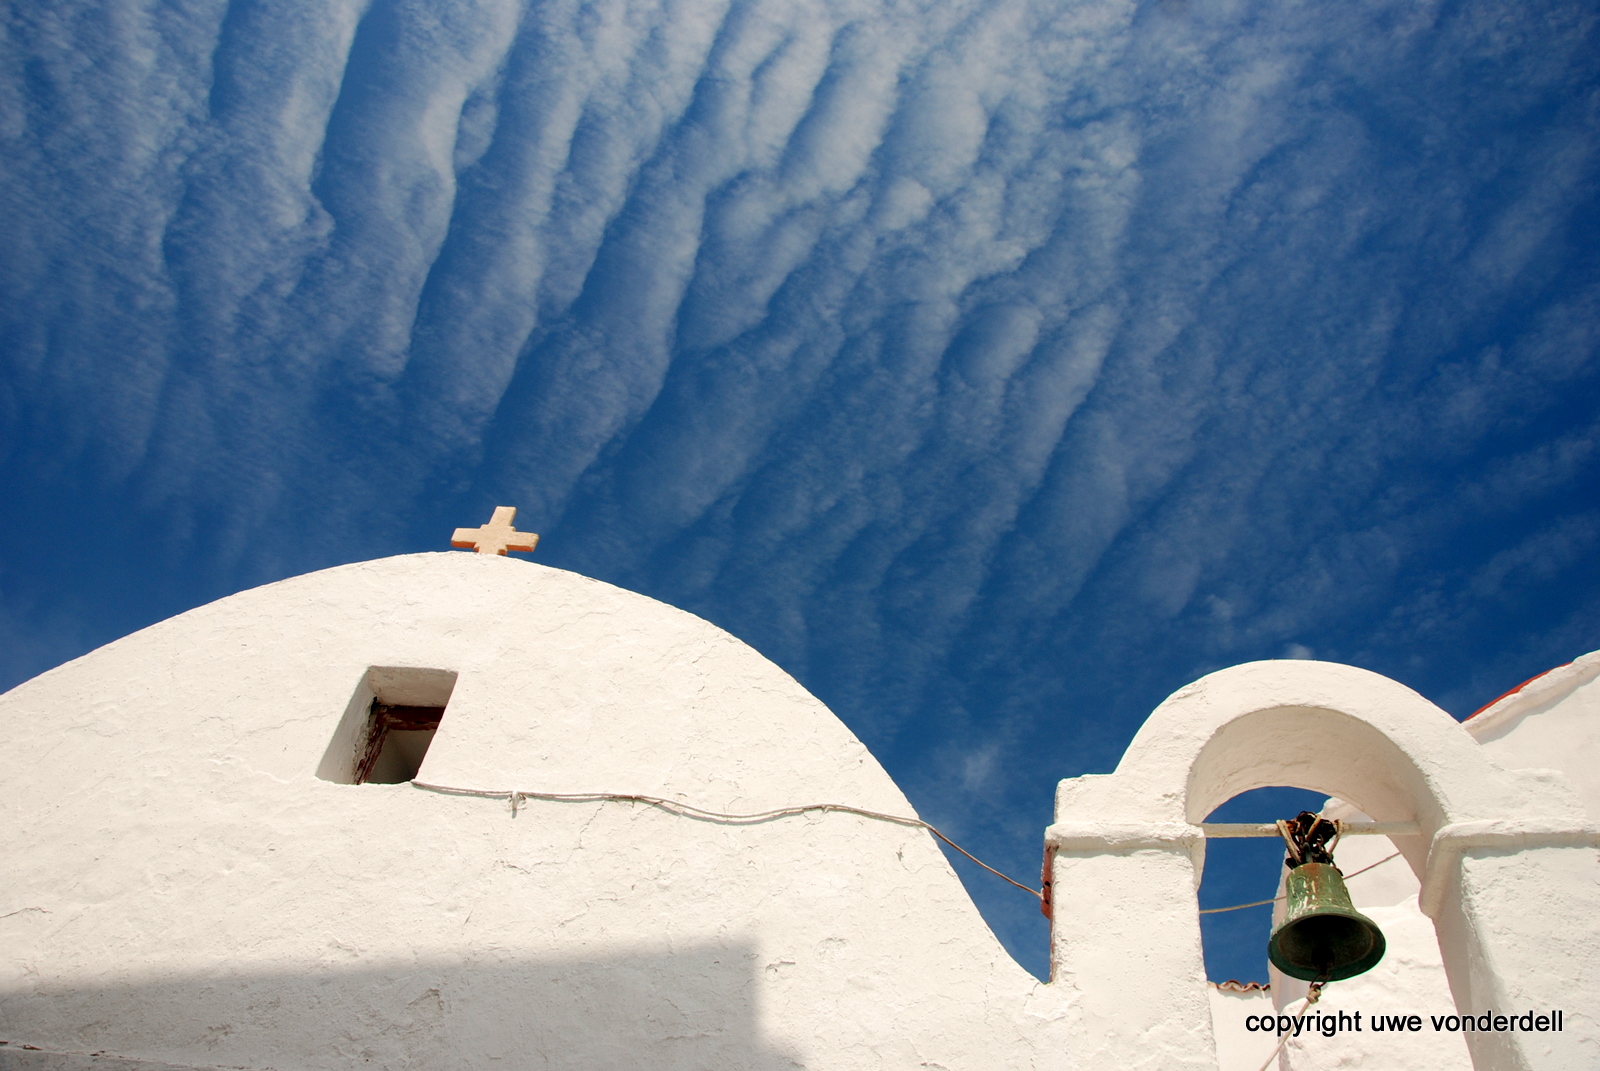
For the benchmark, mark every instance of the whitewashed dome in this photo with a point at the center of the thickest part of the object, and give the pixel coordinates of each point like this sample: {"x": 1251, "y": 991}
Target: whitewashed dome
{"x": 190, "y": 876}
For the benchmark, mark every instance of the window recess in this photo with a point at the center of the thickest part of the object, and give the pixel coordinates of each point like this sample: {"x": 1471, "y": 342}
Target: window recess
{"x": 388, "y": 725}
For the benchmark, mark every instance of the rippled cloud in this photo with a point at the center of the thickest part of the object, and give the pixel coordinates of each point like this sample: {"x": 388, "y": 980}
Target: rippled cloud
{"x": 995, "y": 367}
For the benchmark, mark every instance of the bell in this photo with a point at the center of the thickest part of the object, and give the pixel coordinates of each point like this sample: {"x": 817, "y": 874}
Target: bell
{"x": 1322, "y": 936}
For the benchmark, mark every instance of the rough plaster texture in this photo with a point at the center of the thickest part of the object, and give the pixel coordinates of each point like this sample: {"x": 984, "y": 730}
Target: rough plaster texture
{"x": 1508, "y": 874}
{"x": 180, "y": 886}
{"x": 190, "y": 880}
{"x": 1552, "y": 722}
{"x": 1409, "y": 980}
{"x": 1239, "y": 1049}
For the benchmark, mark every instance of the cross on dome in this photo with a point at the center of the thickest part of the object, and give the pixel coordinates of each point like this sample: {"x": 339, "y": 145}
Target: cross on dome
{"x": 498, "y": 536}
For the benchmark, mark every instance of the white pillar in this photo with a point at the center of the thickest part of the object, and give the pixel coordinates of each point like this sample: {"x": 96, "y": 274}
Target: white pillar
{"x": 1126, "y": 938}
{"x": 1518, "y": 913}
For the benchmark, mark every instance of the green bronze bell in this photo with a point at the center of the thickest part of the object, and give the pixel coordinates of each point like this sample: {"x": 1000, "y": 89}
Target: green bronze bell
{"x": 1322, "y": 936}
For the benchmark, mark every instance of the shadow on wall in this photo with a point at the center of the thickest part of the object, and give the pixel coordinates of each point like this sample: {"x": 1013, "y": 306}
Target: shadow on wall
{"x": 694, "y": 1010}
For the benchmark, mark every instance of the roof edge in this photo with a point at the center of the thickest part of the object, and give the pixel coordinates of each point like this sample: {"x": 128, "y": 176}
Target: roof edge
{"x": 1547, "y": 687}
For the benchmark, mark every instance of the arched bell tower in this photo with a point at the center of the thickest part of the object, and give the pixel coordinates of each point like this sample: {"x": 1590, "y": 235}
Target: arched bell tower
{"x": 1506, "y": 858}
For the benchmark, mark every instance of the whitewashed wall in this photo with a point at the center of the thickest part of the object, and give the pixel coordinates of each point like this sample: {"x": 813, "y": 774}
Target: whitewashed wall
{"x": 1552, "y": 722}
{"x": 179, "y": 886}
{"x": 1509, "y": 915}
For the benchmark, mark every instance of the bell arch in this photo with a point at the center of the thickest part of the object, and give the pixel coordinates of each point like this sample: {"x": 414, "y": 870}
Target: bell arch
{"x": 1128, "y": 849}
{"x": 1309, "y": 747}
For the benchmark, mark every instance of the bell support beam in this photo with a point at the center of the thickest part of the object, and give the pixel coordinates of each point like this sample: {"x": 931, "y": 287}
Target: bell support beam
{"x": 1510, "y": 873}
{"x": 1161, "y": 835}
{"x": 1229, "y": 830}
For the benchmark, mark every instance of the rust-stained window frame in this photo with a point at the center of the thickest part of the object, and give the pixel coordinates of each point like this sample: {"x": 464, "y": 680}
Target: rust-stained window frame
{"x": 392, "y": 716}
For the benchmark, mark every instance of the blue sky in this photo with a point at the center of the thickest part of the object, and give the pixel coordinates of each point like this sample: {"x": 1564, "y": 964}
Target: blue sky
{"x": 995, "y": 368}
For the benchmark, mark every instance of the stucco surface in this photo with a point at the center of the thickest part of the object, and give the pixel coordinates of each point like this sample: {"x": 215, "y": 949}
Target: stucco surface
{"x": 1410, "y": 980}
{"x": 178, "y": 884}
{"x": 1551, "y": 722}
{"x": 1239, "y": 1049}
{"x": 1506, "y": 912}
{"x": 186, "y": 881}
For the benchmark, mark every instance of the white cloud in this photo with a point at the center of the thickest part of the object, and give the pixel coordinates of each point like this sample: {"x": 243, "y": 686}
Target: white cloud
{"x": 955, "y": 353}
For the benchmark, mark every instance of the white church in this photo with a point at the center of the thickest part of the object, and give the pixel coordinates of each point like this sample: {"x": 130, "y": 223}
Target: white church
{"x": 464, "y": 811}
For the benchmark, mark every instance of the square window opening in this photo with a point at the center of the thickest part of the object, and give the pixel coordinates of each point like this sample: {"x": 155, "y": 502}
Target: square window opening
{"x": 386, "y": 729}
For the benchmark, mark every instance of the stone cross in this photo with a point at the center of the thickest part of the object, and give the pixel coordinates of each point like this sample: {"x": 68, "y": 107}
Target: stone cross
{"x": 496, "y": 537}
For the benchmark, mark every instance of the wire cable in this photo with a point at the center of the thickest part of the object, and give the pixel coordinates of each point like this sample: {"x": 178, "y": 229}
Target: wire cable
{"x": 687, "y": 810}
{"x": 1275, "y": 899}
{"x": 1313, "y": 995}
